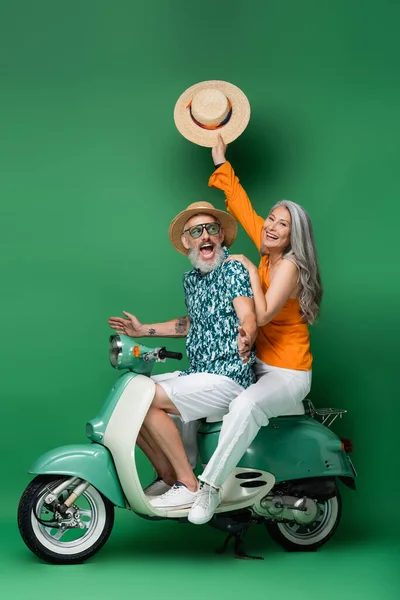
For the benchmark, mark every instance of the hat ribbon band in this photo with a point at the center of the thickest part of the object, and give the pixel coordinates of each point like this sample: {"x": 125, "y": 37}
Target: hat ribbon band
{"x": 211, "y": 127}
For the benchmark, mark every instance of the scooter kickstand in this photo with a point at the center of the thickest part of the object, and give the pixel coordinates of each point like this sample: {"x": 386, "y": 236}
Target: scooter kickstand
{"x": 225, "y": 544}
{"x": 238, "y": 546}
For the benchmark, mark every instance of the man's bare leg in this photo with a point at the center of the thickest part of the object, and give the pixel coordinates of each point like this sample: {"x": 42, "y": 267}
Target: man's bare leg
{"x": 156, "y": 456}
{"x": 167, "y": 438}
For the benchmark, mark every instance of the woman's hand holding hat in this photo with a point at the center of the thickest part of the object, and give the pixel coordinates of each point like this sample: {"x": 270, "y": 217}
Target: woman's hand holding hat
{"x": 218, "y": 152}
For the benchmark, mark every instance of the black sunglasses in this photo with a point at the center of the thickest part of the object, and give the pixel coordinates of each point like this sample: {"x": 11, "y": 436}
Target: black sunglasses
{"x": 197, "y": 230}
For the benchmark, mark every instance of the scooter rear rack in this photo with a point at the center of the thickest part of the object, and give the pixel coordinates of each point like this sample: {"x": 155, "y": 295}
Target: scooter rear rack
{"x": 328, "y": 415}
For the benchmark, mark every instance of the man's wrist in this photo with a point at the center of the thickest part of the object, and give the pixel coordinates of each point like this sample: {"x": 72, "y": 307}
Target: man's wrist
{"x": 146, "y": 331}
{"x": 251, "y": 331}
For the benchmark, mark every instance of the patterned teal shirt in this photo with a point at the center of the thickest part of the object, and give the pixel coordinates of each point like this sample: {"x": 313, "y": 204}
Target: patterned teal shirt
{"x": 211, "y": 343}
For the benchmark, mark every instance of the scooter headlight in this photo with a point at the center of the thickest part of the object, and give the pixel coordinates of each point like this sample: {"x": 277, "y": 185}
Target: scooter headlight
{"x": 115, "y": 350}
{"x": 126, "y": 353}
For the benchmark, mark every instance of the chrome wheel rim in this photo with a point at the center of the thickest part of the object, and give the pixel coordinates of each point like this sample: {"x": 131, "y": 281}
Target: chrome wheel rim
{"x": 317, "y": 530}
{"x": 66, "y": 540}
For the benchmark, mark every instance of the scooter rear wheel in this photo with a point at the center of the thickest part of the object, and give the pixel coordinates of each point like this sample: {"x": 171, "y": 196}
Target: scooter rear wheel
{"x": 307, "y": 538}
{"x": 62, "y": 544}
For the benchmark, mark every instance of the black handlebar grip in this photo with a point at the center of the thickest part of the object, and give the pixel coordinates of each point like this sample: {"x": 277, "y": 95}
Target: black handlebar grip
{"x": 164, "y": 353}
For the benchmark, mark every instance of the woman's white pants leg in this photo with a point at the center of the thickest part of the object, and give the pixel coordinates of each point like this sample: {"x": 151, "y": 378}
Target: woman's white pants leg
{"x": 276, "y": 391}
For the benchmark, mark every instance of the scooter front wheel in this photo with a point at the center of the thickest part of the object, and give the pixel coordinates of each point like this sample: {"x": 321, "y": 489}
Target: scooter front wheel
{"x": 69, "y": 540}
{"x": 306, "y": 538}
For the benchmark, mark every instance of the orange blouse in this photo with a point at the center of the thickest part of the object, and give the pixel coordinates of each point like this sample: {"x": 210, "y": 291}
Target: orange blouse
{"x": 285, "y": 341}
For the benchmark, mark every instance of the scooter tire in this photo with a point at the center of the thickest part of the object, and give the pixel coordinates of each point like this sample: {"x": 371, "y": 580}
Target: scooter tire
{"x": 281, "y": 534}
{"x": 26, "y": 507}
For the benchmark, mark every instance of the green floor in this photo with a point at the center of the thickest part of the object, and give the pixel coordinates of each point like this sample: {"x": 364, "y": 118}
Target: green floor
{"x": 169, "y": 560}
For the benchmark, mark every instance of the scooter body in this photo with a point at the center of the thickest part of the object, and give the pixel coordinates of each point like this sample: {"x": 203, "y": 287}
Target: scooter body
{"x": 294, "y": 448}
{"x": 291, "y": 447}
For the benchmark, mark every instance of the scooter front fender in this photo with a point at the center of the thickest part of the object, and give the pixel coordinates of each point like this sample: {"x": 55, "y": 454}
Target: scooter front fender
{"x": 91, "y": 462}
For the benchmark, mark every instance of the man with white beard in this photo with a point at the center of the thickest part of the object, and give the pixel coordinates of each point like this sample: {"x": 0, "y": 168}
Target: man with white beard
{"x": 220, "y": 330}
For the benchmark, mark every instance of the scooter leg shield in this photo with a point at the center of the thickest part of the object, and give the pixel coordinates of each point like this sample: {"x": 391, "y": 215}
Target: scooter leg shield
{"x": 91, "y": 462}
{"x": 120, "y": 437}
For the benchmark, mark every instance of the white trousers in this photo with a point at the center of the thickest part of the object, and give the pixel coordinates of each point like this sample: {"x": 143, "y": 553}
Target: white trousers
{"x": 276, "y": 391}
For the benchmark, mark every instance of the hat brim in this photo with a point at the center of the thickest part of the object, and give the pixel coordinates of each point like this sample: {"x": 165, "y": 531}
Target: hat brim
{"x": 228, "y": 224}
{"x": 205, "y": 137}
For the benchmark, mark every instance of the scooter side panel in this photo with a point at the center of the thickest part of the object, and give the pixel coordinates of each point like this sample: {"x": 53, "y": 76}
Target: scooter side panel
{"x": 91, "y": 462}
{"x": 290, "y": 448}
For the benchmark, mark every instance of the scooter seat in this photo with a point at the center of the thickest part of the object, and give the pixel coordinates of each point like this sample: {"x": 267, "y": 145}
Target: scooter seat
{"x": 296, "y": 410}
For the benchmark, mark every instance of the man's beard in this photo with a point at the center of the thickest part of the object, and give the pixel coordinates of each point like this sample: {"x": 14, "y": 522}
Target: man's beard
{"x": 206, "y": 267}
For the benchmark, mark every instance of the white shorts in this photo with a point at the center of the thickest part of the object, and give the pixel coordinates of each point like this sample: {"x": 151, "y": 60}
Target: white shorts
{"x": 199, "y": 395}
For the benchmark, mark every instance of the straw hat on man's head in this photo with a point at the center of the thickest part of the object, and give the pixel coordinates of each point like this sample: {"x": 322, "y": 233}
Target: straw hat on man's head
{"x": 209, "y": 108}
{"x": 227, "y": 222}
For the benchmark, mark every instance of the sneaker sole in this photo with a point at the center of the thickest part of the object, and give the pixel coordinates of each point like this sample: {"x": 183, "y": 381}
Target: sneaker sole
{"x": 202, "y": 522}
{"x": 181, "y": 507}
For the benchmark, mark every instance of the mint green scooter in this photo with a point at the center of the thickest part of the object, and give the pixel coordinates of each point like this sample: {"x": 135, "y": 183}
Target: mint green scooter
{"x": 287, "y": 479}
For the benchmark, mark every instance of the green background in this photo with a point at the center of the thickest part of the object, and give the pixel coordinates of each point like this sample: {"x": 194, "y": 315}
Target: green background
{"x": 92, "y": 172}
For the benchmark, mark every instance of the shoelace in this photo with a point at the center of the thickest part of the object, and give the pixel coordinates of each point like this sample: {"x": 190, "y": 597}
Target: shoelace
{"x": 204, "y": 497}
{"x": 172, "y": 492}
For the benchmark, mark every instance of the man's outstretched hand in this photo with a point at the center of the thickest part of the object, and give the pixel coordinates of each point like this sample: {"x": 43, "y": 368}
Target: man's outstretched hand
{"x": 130, "y": 326}
{"x": 244, "y": 344}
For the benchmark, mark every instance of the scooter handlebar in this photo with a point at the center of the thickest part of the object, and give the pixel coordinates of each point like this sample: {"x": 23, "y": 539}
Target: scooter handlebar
{"x": 164, "y": 353}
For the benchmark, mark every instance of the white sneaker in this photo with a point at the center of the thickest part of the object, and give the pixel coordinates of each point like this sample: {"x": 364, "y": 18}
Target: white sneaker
{"x": 205, "y": 505}
{"x": 157, "y": 488}
{"x": 179, "y": 496}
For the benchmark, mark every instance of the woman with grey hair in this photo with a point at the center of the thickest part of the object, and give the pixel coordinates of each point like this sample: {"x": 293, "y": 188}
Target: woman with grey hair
{"x": 287, "y": 293}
